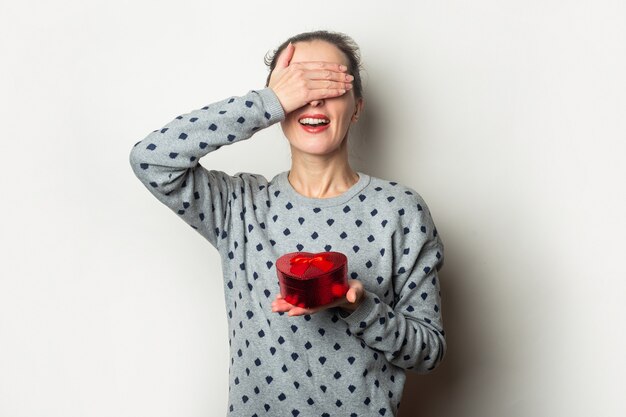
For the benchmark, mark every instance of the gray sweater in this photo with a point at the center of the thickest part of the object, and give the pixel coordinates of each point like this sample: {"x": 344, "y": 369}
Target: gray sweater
{"x": 326, "y": 364}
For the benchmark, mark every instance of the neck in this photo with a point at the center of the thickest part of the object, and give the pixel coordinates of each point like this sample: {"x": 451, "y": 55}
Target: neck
{"x": 321, "y": 176}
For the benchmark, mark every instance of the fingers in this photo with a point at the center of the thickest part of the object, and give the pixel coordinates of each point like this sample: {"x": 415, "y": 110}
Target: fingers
{"x": 352, "y": 295}
{"x": 299, "y": 311}
{"x": 298, "y": 83}
{"x": 351, "y": 301}
{"x": 328, "y": 75}
{"x": 322, "y": 89}
{"x": 285, "y": 57}
{"x": 280, "y": 305}
{"x": 321, "y": 65}
{"x": 323, "y": 81}
{"x": 327, "y": 85}
{"x": 355, "y": 292}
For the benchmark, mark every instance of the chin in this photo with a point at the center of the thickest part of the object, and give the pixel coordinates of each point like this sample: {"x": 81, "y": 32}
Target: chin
{"x": 319, "y": 144}
{"x": 318, "y": 149}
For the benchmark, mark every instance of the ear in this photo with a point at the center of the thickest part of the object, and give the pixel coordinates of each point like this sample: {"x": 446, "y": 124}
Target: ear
{"x": 358, "y": 109}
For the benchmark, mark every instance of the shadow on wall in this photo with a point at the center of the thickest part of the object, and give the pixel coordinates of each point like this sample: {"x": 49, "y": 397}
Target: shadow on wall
{"x": 441, "y": 392}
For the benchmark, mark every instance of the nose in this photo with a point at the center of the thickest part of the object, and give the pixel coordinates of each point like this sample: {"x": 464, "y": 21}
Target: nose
{"x": 316, "y": 103}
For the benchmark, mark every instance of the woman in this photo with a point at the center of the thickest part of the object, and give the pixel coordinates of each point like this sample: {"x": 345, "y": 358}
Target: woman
{"x": 348, "y": 359}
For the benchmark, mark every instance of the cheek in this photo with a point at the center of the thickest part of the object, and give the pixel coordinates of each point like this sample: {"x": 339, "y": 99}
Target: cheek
{"x": 350, "y": 108}
{"x": 348, "y": 116}
{"x": 288, "y": 124}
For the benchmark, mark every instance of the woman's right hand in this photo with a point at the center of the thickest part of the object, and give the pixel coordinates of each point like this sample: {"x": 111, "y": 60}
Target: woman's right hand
{"x": 296, "y": 84}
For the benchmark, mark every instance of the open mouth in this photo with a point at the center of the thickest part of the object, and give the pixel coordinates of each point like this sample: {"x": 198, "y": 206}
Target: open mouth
{"x": 313, "y": 121}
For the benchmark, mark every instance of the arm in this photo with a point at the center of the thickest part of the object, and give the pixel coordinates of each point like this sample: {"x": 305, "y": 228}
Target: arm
{"x": 409, "y": 333}
{"x": 167, "y": 160}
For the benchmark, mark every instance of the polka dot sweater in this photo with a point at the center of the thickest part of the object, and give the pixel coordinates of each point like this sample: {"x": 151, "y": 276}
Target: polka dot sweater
{"x": 326, "y": 364}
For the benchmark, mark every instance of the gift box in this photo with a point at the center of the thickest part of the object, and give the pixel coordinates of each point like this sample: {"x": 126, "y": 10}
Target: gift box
{"x": 312, "y": 279}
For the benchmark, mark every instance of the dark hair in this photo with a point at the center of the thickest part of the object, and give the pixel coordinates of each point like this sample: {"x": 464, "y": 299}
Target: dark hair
{"x": 343, "y": 42}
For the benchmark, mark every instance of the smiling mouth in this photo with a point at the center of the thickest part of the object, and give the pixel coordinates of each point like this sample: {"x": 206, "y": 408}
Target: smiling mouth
{"x": 313, "y": 121}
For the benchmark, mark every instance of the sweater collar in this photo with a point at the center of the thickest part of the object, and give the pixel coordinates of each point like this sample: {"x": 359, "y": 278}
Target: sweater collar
{"x": 286, "y": 187}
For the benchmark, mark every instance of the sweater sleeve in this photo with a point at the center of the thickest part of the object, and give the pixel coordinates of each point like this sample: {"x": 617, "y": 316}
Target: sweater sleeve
{"x": 167, "y": 160}
{"x": 410, "y": 331}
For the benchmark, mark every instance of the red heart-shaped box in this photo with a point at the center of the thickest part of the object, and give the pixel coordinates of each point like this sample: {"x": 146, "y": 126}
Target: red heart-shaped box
{"x": 312, "y": 279}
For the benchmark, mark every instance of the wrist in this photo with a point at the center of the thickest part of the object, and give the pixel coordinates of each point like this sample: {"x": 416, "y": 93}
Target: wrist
{"x": 281, "y": 100}
{"x": 273, "y": 105}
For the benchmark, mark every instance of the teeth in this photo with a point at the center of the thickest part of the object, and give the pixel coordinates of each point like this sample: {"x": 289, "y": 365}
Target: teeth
{"x": 311, "y": 121}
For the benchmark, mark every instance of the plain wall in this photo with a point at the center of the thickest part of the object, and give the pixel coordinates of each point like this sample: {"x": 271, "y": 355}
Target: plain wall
{"x": 507, "y": 116}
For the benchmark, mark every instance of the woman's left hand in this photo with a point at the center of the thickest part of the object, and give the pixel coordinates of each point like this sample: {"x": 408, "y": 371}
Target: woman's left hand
{"x": 349, "y": 302}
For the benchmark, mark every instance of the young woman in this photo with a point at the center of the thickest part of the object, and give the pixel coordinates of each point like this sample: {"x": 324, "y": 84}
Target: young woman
{"x": 346, "y": 359}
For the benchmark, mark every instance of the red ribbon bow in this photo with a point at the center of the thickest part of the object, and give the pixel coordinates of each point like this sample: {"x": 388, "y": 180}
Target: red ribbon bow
{"x": 301, "y": 263}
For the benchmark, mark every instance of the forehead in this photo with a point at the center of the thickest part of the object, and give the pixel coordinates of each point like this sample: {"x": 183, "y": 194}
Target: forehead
{"x": 318, "y": 50}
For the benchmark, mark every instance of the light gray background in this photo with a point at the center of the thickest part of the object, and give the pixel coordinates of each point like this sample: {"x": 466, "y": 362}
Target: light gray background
{"x": 507, "y": 116}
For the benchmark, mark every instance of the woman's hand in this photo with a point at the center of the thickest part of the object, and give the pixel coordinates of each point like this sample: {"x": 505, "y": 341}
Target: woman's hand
{"x": 296, "y": 84}
{"x": 349, "y": 302}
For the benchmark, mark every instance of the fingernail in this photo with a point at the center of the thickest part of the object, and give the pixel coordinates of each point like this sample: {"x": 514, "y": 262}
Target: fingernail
{"x": 343, "y": 67}
{"x": 342, "y": 91}
{"x": 349, "y": 77}
{"x": 348, "y": 86}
